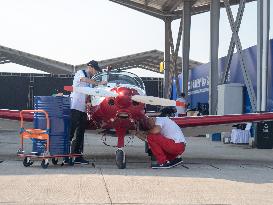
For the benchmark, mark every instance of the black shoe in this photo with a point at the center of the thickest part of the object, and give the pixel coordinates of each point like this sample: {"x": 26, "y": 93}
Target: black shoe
{"x": 80, "y": 160}
{"x": 166, "y": 165}
{"x": 66, "y": 160}
{"x": 176, "y": 161}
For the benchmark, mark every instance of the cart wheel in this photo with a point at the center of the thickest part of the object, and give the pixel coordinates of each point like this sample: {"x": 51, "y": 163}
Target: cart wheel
{"x": 71, "y": 161}
{"x": 54, "y": 161}
{"x": 44, "y": 163}
{"x": 27, "y": 162}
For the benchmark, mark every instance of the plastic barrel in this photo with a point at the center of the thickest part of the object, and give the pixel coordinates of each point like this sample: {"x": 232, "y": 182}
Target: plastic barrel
{"x": 58, "y": 109}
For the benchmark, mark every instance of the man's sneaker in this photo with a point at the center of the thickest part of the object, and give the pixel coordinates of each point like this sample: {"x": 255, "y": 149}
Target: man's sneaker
{"x": 176, "y": 161}
{"x": 66, "y": 160}
{"x": 80, "y": 160}
{"x": 166, "y": 165}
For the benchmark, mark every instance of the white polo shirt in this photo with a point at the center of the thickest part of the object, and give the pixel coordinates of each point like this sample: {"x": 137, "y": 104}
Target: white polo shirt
{"x": 78, "y": 100}
{"x": 170, "y": 129}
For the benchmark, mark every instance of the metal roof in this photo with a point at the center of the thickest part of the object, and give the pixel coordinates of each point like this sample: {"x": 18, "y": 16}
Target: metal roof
{"x": 9, "y": 55}
{"x": 169, "y": 8}
{"x": 149, "y": 60}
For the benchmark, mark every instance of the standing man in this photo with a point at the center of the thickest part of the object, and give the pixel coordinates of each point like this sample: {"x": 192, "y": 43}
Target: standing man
{"x": 78, "y": 108}
{"x": 181, "y": 105}
{"x": 165, "y": 139}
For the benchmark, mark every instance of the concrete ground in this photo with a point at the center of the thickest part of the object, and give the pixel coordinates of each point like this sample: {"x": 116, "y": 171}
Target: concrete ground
{"x": 212, "y": 173}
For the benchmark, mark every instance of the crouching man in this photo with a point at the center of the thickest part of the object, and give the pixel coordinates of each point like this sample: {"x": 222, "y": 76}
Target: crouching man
{"x": 165, "y": 139}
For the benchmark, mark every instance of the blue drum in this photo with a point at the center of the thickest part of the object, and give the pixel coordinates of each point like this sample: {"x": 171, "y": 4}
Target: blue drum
{"x": 58, "y": 109}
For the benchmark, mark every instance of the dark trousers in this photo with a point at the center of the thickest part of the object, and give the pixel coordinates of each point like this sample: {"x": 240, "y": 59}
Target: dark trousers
{"x": 77, "y": 129}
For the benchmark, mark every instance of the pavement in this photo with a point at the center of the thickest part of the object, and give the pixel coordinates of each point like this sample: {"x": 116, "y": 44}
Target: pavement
{"x": 212, "y": 173}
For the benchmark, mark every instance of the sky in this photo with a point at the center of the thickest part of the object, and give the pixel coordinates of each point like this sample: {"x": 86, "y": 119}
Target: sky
{"x": 76, "y": 31}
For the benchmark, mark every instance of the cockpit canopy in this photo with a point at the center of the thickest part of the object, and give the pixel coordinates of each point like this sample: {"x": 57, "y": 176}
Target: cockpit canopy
{"x": 120, "y": 77}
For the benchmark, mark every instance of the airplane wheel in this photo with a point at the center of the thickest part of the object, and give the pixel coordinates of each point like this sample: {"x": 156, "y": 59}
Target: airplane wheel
{"x": 120, "y": 159}
{"x": 45, "y": 163}
{"x": 27, "y": 162}
{"x": 54, "y": 161}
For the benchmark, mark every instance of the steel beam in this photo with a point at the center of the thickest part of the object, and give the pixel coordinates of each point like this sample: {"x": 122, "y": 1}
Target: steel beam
{"x": 186, "y": 44}
{"x": 174, "y": 51}
{"x": 264, "y": 57}
{"x": 144, "y": 8}
{"x": 167, "y": 58}
{"x": 214, "y": 46}
{"x": 259, "y": 52}
{"x": 238, "y": 44}
{"x": 232, "y": 42}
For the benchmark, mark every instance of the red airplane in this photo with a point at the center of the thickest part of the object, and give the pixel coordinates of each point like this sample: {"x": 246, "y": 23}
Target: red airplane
{"x": 119, "y": 106}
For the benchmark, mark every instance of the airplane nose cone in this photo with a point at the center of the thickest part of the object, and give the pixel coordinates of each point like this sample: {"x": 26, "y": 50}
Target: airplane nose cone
{"x": 124, "y": 98}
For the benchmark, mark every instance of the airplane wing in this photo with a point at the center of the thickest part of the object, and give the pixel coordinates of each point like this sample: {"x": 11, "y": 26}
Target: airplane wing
{"x": 195, "y": 121}
{"x": 15, "y": 115}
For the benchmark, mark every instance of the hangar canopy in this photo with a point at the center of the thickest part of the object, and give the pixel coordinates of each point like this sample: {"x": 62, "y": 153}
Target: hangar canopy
{"x": 172, "y": 9}
{"x": 9, "y": 55}
{"x": 149, "y": 60}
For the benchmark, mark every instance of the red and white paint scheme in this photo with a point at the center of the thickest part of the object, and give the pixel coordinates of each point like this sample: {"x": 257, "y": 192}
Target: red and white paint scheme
{"x": 118, "y": 106}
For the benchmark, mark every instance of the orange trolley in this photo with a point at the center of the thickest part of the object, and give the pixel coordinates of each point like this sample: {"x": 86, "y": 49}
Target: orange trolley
{"x": 40, "y": 134}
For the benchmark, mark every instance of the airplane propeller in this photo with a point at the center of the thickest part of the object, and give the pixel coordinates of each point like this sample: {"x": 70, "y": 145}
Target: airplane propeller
{"x": 98, "y": 91}
{"x": 151, "y": 100}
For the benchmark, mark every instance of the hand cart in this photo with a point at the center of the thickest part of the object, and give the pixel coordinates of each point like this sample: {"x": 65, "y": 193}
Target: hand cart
{"x": 40, "y": 134}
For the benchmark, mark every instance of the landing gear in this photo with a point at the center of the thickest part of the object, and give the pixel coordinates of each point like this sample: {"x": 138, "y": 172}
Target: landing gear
{"x": 120, "y": 159}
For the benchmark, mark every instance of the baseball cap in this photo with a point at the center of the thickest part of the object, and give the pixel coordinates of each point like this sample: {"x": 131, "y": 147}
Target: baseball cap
{"x": 95, "y": 65}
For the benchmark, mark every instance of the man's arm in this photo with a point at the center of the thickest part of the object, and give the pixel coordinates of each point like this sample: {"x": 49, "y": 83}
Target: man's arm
{"x": 93, "y": 82}
{"x": 155, "y": 130}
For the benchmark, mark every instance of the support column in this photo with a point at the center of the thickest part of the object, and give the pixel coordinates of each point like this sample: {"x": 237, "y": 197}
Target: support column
{"x": 167, "y": 59}
{"x": 241, "y": 56}
{"x": 265, "y": 39}
{"x": 232, "y": 43}
{"x": 214, "y": 46}
{"x": 259, "y": 51}
{"x": 186, "y": 44}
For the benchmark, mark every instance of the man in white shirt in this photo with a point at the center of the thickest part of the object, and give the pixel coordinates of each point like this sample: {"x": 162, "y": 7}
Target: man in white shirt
{"x": 78, "y": 108}
{"x": 181, "y": 106}
{"x": 165, "y": 140}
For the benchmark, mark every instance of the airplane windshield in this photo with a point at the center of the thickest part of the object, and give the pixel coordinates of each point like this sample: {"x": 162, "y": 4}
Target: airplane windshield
{"x": 120, "y": 78}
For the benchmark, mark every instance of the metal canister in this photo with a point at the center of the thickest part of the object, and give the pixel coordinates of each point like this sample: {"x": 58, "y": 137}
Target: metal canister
{"x": 58, "y": 109}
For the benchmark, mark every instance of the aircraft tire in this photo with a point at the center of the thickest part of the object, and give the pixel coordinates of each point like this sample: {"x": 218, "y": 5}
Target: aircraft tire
{"x": 120, "y": 159}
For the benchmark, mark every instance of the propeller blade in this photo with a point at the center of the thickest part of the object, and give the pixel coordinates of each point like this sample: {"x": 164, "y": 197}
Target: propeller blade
{"x": 95, "y": 91}
{"x": 153, "y": 100}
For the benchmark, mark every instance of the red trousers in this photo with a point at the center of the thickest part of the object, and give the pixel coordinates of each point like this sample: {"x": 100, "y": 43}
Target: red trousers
{"x": 164, "y": 149}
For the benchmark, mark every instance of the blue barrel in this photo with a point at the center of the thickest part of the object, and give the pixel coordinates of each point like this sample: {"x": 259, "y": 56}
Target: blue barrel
{"x": 58, "y": 109}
